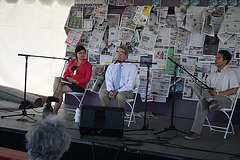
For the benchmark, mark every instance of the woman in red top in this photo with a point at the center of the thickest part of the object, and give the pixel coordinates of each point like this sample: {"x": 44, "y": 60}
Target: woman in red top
{"x": 78, "y": 73}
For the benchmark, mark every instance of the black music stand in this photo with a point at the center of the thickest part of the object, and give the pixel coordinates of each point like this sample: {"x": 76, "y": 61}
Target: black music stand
{"x": 145, "y": 126}
{"x": 24, "y": 103}
{"x": 172, "y": 127}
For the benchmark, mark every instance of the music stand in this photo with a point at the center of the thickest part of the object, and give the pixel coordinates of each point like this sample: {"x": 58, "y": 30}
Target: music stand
{"x": 172, "y": 127}
{"x": 24, "y": 102}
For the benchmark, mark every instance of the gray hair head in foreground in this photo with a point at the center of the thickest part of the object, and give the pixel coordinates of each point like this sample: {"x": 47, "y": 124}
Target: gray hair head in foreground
{"x": 48, "y": 139}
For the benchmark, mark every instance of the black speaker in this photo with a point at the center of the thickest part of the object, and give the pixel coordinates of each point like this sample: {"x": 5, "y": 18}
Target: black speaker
{"x": 101, "y": 121}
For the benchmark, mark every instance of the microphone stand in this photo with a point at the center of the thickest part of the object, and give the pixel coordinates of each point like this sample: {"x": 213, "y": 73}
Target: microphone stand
{"x": 177, "y": 65}
{"x": 145, "y": 126}
{"x": 24, "y": 102}
{"x": 172, "y": 127}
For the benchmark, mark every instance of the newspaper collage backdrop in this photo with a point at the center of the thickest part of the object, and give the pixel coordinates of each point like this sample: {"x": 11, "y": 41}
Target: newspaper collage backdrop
{"x": 191, "y": 36}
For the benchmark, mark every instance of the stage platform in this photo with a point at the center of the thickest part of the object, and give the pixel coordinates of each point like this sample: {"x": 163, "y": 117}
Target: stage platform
{"x": 137, "y": 142}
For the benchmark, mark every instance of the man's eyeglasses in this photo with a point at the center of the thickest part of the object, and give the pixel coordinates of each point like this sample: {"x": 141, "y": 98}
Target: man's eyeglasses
{"x": 121, "y": 53}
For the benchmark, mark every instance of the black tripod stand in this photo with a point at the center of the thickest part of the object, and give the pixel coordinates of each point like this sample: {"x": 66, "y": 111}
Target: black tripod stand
{"x": 172, "y": 127}
{"x": 145, "y": 126}
{"x": 24, "y": 103}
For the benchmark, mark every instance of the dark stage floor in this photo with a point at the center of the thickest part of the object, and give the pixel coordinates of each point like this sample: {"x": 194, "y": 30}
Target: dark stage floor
{"x": 139, "y": 144}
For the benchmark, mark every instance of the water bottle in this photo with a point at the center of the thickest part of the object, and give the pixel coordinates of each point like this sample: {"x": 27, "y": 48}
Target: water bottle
{"x": 77, "y": 115}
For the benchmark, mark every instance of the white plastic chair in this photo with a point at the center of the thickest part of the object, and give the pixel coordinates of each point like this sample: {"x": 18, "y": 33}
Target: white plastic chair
{"x": 229, "y": 113}
{"x": 79, "y": 96}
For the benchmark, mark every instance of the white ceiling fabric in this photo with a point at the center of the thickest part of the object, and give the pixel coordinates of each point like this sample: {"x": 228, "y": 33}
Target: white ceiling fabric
{"x": 33, "y": 27}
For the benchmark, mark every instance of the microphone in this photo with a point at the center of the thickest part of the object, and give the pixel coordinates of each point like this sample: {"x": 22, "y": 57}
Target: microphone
{"x": 69, "y": 58}
{"x": 210, "y": 88}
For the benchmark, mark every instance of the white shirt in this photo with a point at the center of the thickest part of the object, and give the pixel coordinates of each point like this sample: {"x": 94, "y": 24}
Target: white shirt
{"x": 224, "y": 80}
{"x": 128, "y": 76}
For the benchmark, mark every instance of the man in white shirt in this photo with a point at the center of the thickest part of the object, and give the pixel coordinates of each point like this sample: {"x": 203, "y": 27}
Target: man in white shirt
{"x": 225, "y": 82}
{"x": 119, "y": 85}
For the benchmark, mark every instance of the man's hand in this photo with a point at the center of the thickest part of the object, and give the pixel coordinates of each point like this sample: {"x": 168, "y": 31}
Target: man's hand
{"x": 212, "y": 92}
{"x": 227, "y": 92}
{"x": 112, "y": 94}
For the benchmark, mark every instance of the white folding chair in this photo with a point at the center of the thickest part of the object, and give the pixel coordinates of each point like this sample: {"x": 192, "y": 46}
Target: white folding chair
{"x": 130, "y": 117}
{"x": 79, "y": 96}
{"x": 229, "y": 113}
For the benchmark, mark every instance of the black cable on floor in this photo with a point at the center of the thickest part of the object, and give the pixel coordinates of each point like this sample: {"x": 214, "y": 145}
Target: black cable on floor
{"x": 118, "y": 152}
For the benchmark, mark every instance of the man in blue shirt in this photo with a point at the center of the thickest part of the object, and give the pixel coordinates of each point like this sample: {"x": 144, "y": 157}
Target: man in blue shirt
{"x": 120, "y": 79}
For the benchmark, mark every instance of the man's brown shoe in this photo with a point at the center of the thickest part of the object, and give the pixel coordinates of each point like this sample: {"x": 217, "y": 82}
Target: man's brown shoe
{"x": 214, "y": 105}
{"x": 192, "y": 136}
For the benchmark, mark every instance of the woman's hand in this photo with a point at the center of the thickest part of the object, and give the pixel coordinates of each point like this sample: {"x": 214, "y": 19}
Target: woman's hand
{"x": 70, "y": 79}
